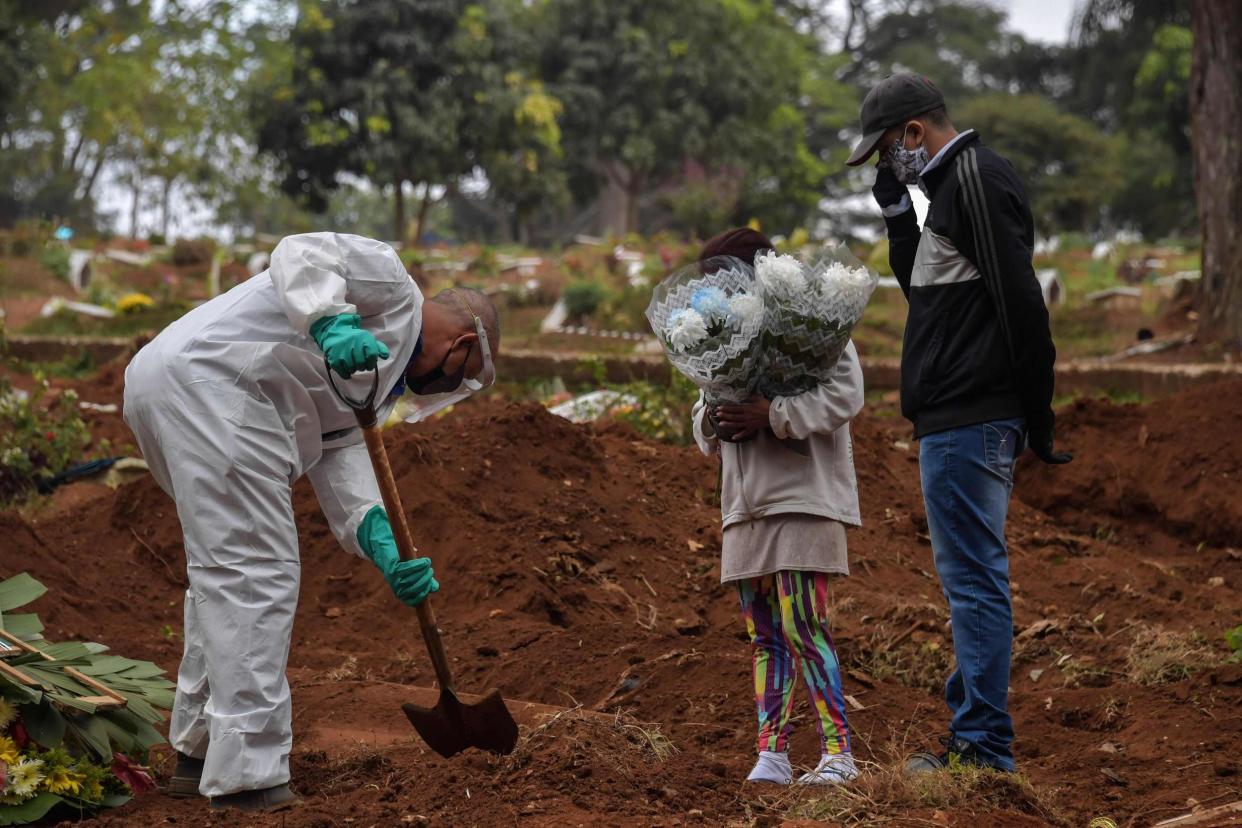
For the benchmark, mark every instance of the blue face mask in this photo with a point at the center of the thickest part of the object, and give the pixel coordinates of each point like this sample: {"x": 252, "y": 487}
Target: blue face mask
{"x": 907, "y": 164}
{"x": 399, "y": 388}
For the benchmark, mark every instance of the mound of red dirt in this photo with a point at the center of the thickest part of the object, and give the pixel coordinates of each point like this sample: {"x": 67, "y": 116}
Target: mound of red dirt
{"x": 579, "y": 567}
{"x": 1175, "y": 465}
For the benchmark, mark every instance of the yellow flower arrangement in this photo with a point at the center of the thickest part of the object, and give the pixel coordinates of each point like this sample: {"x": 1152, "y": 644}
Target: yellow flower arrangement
{"x": 62, "y": 780}
{"x": 131, "y": 302}
{"x": 9, "y": 754}
{"x": 92, "y": 790}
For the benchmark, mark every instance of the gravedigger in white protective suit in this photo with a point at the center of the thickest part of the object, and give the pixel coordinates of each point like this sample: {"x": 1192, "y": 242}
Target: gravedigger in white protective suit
{"x": 230, "y": 405}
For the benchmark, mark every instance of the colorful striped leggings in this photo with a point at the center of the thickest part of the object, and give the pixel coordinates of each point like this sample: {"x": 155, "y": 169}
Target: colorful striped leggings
{"x": 787, "y": 618}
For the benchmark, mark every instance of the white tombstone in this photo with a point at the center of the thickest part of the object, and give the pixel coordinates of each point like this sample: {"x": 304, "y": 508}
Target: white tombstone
{"x": 80, "y": 269}
{"x": 258, "y": 262}
{"x": 1051, "y": 285}
{"x": 555, "y": 319}
{"x": 128, "y": 257}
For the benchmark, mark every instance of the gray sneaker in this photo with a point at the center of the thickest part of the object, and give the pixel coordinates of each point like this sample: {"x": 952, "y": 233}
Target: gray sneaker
{"x": 184, "y": 782}
{"x": 956, "y": 749}
{"x": 276, "y": 798}
{"x": 924, "y": 762}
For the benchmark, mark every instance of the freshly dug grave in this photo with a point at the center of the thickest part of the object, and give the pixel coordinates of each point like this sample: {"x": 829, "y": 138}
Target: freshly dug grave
{"x": 579, "y": 570}
{"x": 1174, "y": 467}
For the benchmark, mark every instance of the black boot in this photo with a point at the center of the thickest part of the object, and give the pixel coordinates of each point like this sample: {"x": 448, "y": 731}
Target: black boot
{"x": 268, "y": 799}
{"x": 186, "y": 776}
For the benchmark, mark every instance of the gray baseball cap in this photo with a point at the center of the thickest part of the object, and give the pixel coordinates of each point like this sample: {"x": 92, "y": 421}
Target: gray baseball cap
{"x": 895, "y": 99}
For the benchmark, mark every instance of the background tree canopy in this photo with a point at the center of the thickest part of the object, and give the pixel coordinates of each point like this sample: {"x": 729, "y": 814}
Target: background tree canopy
{"x": 539, "y": 119}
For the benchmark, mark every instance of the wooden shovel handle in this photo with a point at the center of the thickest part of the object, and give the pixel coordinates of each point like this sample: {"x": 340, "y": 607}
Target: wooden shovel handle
{"x": 405, "y": 545}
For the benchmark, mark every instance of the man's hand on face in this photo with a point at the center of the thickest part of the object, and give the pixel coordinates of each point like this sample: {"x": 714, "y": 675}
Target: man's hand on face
{"x": 742, "y": 421}
{"x": 888, "y": 191}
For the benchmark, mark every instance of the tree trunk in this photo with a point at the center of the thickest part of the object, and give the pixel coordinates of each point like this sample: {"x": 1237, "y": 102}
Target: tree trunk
{"x": 398, "y": 204}
{"x": 1216, "y": 129}
{"x": 133, "y": 210}
{"x": 168, "y": 185}
{"x": 633, "y": 191}
{"x": 423, "y": 207}
{"x": 73, "y": 157}
{"x": 100, "y": 158}
{"x": 614, "y": 211}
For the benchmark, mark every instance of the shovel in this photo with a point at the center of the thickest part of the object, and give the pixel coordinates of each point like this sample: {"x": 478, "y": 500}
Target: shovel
{"x": 451, "y": 725}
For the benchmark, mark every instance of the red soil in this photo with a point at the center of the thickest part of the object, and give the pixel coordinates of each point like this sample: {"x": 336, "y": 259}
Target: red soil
{"x": 580, "y": 567}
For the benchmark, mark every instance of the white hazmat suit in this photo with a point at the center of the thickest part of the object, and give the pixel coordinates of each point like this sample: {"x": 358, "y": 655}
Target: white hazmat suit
{"x": 230, "y": 405}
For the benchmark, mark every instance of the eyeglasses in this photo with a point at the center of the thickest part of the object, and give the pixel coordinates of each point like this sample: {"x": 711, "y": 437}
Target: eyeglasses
{"x": 486, "y": 376}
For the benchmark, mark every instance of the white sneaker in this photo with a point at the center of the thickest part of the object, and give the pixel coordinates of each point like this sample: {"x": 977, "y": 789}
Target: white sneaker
{"x": 772, "y": 767}
{"x": 833, "y": 769}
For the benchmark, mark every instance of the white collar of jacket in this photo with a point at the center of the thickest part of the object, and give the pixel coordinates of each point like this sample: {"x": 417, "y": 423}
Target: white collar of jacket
{"x": 939, "y": 157}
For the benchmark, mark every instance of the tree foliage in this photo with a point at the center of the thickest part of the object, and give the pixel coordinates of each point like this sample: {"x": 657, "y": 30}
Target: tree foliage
{"x": 82, "y": 98}
{"x": 397, "y": 92}
{"x": 650, "y": 85}
{"x": 962, "y": 45}
{"x": 1068, "y": 165}
{"x": 539, "y": 119}
{"x": 113, "y": 82}
{"x": 1130, "y": 65}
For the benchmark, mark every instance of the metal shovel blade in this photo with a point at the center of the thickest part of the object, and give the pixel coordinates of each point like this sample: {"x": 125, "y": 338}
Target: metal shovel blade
{"x": 452, "y": 726}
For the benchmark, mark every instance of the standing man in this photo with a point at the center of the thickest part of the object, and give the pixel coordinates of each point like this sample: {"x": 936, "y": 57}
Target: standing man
{"x": 976, "y": 379}
{"x": 230, "y": 405}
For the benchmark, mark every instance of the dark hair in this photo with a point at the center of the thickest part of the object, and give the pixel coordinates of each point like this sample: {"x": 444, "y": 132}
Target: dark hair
{"x": 741, "y": 243}
{"x": 938, "y": 117}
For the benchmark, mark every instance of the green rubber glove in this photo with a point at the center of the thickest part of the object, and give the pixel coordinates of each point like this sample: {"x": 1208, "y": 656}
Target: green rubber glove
{"x": 348, "y": 346}
{"x": 411, "y": 581}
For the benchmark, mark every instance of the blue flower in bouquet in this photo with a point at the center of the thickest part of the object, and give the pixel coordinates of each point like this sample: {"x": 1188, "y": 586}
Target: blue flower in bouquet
{"x": 711, "y": 303}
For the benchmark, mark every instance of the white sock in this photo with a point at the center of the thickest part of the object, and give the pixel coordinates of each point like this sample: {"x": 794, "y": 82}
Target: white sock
{"x": 772, "y": 767}
{"x": 833, "y": 769}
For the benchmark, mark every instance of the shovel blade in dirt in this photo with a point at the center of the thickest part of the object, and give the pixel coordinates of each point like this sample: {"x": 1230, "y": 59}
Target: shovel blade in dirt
{"x": 451, "y": 725}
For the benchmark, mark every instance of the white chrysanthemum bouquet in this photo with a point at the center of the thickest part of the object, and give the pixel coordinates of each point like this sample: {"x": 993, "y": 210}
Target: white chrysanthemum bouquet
{"x": 709, "y": 317}
{"x": 778, "y": 328}
{"x": 809, "y": 311}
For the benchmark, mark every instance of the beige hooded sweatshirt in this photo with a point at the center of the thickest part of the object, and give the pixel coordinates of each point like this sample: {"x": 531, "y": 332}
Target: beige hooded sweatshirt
{"x": 804, "y": 465}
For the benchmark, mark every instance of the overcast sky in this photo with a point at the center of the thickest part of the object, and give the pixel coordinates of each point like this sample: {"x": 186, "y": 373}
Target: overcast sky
{"x": 1045, "y": 20}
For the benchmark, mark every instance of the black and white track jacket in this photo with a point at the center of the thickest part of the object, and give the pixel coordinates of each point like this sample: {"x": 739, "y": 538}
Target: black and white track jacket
{"x": 977, "y": 345}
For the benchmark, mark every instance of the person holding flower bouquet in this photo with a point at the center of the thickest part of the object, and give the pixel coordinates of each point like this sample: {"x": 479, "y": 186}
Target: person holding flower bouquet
{"x": 788, "y": 491}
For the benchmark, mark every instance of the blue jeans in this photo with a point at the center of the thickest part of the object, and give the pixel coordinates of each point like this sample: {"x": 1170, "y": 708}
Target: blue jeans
{"x": 967, "y": 475}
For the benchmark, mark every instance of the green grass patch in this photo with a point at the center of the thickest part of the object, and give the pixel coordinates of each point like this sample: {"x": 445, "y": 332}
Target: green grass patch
{"x": 67, "y": 323}
{"x": 72, "y": 366}
{"x": 884, "y": 795}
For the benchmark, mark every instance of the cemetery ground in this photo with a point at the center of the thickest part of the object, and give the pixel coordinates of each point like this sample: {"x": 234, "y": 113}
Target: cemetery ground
{"x": 580, "y": 572}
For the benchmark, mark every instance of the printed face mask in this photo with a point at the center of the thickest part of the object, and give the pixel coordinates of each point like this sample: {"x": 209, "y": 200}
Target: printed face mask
{"x": 906, "y": 164}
